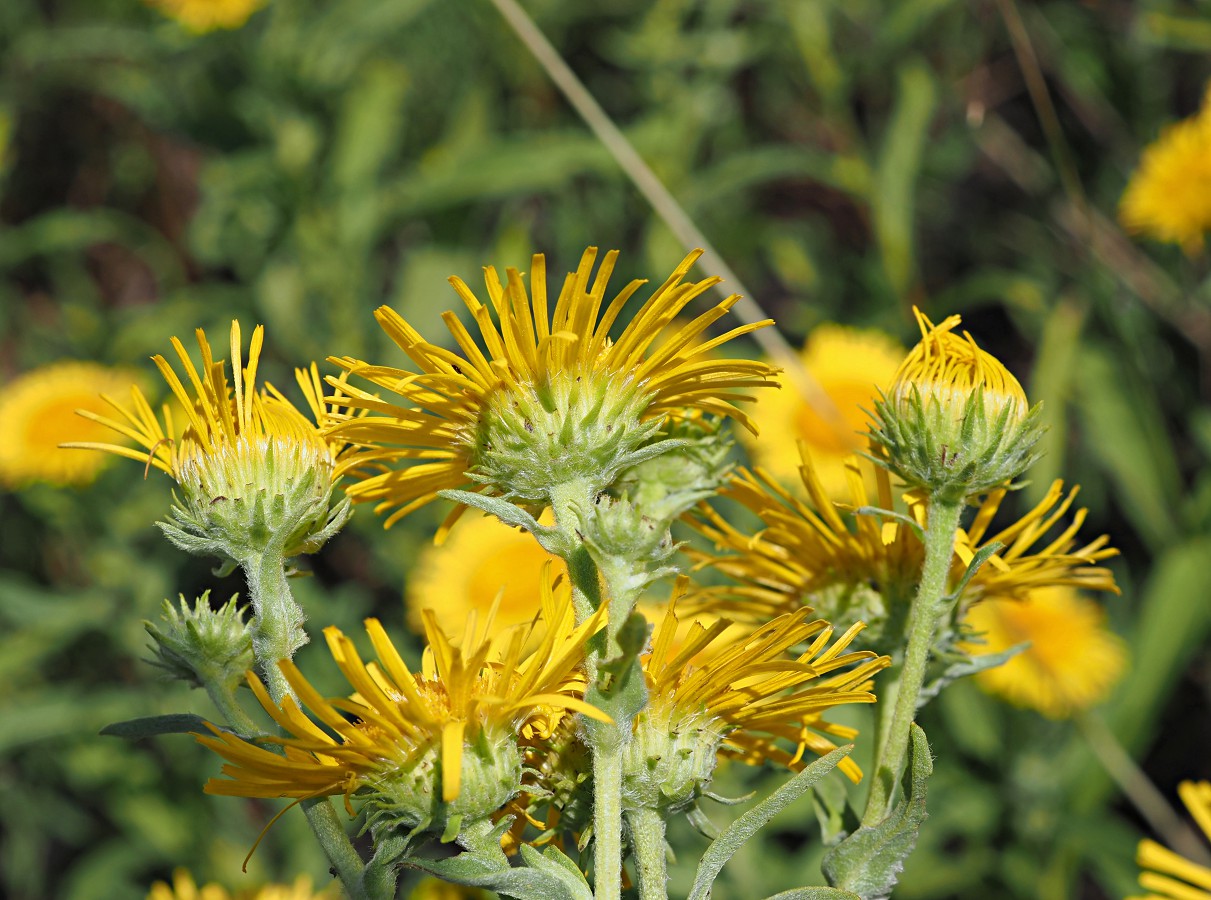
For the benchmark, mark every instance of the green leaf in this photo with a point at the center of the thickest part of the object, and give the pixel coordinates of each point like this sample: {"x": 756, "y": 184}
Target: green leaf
{"x": 981, "y": 556}
{"x": 176, "y": 723}
{"x": 815, "y": 893}
{"x": 896, "y": 176}
{"x": 1134, "y": 448}
{"x": 970, "y": 665}
{"x": 546, "y": 876}
{"x": 742, "y": 830}
{"x": 870, "y": 860}
{"x": 510, "y": 514}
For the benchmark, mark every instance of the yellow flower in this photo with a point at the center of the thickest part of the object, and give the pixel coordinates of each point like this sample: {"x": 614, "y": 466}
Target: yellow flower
{"x": 861, "y": 568}
{"x": 742, "y": 695}
{"x": 183, "y": 887}
{"x": 1169, "y": 196}
{"x": 1072, "y": 662}
{"x": 449, "y": 732}
{"x": 949, "y": 369}
{"x": 436, "y": 889}
{"x": 483, "y": 563}
{"x": 200, "y": 16}
{"x": 250, "y": 465}
{"x": 36, "y": 416}
{"x": 850, "y": 365}
{"x": 1172, "y": 877}
{"x": 552, "y": 400}
{"x": 955, "y": 421}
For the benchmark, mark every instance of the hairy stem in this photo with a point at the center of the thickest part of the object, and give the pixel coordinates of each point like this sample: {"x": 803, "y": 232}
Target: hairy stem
{"x": 277, "y": 633}
{"x": 224, "y": 699}
{"x": 570, "y": 501}
{"x": 651, "y": 861}
{"x": 928, "y": 608}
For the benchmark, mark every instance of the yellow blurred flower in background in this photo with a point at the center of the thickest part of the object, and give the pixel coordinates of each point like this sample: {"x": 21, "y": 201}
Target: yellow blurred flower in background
{"x": 1169, "y": 876}
{"x": 1073, "y": 660}
{"x": 481, "y": 559}
{"x": 436, "y": 889}
{"x": 850, "y": 365}
{"x": 201, "y": 16}
{"x": 183, "y": 887}
{"x": 1169, "y": 196}
{"x": 37, "y": 414}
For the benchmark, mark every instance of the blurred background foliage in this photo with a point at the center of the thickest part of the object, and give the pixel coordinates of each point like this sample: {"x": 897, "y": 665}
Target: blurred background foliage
{"x": 847, "y": 159}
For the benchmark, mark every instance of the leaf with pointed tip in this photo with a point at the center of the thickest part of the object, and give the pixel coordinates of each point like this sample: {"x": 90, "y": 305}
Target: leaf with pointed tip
{"x": 815, "y": 893}
{"x": 739, "y": 832}
{"x": 510, "y": 514}
{"x": 869, "y": 861}
{"x": 175, "y": 723}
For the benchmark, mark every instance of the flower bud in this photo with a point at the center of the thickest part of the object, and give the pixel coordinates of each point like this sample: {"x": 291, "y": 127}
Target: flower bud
{"x": 202, "y": 646}
{"x": 955, "y": 421}
{"x": 409, "y": 797}
{"x": 671, "y": 758}
{"x": 239, "y": 498}
{"x": 667, "y": 485}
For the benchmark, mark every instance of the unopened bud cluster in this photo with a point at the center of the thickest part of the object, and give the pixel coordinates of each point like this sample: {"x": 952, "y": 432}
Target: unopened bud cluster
{"x": 202, "y": 646}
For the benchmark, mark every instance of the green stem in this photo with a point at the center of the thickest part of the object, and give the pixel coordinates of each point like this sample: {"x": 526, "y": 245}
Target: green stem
{"x": 1136, "y": 787}
{"x": 223, "y": 697}
{"x": 651, "y": 860}
{"x": 607, "y": 742}
{"x": 277, "y": 633}
{"x": 607, "y": 813}
{"x": 928, "y": 608}
{"x": 277, "y": 626}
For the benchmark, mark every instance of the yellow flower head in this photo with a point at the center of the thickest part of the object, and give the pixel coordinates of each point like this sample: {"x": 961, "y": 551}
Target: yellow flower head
{"x": 37, "y": 415}
{"x": 200, "y": 16}
{"x": 436, "y": 889}
{"x": 955, "y": 421}
{"x": 1168, "y": 876}
{"x": 949, "y": 368}
{"x": 1169, "y": 196}
{"x": 420, "y": 748}
{"x": 484, "y": 563}
{"x": 743, "y": 695}
{"x": 850, "y": 365}
{"x": 859, "y": 568}
{"x": 252, "y": 468}
{"x": 1072, "y": 662}
{"x": 183, "y": 887}
{"x": 553, "y": 399}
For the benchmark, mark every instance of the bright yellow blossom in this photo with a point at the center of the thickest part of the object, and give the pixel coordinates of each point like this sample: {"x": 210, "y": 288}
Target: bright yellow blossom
{"x": 1168, "y": 876}
{"x": 1169, "y": 196}
{"x": 552, "y": 399}
{"x": 37, "y": 414}
{"x": 482, "y": 564}
{"x": 1072, "y": 660}
{"x": 745, "y": 688}
{"x": 200, "y": 16}
{"x": 819, "y": 554}
{"x": 252, "y": 468}
{"x": 850, "y": 365}
{"x": 183, "y": 887}
{"x": 412, "y": 737}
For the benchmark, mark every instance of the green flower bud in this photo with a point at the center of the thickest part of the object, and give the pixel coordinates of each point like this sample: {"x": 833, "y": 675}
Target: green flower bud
{"x": 569, "y": 429}
{"x": 407, "y": 795}
{"x": 202, "y": 646}
{"x": 670, "y": 760}
{"x": 243, "y": 497}
{"x": 955, "y": 421}
{"x": 667, "y": 485}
